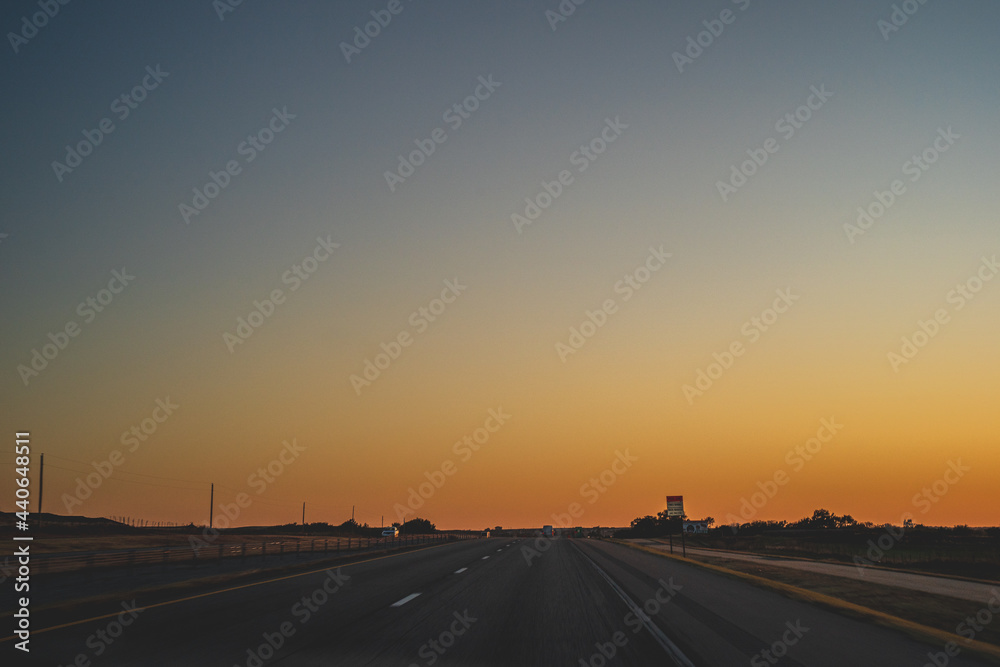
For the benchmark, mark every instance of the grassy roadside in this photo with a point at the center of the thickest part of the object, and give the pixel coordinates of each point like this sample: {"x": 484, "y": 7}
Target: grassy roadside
{"x": 932, "y": 619}
{"x": 964, "y": 556}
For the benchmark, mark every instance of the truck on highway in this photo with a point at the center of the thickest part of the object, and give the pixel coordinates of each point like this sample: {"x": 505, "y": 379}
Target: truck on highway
{"x": 547, "y": 531}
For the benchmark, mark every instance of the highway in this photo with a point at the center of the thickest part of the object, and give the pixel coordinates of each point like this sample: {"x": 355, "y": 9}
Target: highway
{"x": 478, "y": 602}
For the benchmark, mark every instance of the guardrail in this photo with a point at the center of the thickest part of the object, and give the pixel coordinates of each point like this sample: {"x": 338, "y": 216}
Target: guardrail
{"x": 207, "y": 552}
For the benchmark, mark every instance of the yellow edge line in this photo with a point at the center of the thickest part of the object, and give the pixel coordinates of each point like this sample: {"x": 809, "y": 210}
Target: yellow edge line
{"x": 224, "y": 590}
{"x": 909, "y": 627}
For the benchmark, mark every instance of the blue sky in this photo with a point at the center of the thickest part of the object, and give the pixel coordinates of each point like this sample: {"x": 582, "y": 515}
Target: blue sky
{"x": 656, "y": 184}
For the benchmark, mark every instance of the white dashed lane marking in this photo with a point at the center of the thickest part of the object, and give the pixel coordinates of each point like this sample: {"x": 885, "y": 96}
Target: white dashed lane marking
{"x": 400, "y": 603}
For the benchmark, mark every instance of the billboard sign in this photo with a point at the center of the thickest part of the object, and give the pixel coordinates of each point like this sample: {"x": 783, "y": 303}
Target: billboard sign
{"x": 675, "y": 505}
{"x": 696, "y": 527}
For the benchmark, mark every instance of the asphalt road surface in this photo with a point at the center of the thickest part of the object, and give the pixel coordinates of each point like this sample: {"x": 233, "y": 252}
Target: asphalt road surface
{"x": 478, "y": 602}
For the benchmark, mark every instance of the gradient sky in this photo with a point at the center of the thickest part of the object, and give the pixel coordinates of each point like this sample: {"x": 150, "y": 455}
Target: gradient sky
{"x": 495, "y": 346}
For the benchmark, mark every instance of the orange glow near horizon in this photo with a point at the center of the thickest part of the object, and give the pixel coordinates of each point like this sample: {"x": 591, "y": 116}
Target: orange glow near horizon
{"x": 722, "y": 453}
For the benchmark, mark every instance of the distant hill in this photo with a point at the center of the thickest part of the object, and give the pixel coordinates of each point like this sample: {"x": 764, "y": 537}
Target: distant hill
{"x": 7, "y": 520}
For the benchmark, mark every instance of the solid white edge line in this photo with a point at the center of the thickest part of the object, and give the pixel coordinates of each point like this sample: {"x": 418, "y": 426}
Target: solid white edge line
{"x": 400, "y": 603}
{"x": 661, "y": 638}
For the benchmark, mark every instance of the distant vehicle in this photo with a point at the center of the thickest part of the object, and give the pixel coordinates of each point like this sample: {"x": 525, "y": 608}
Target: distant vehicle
{"x": 486, "y": 533}
{"x": 390, "y": 532}
{"x": 547, "y": 531}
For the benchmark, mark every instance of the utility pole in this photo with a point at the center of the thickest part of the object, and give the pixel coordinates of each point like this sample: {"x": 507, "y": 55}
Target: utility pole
{"x": 303, "y": 513}
{"x": 211, "y": 502}
{"x": 352, "y": 513}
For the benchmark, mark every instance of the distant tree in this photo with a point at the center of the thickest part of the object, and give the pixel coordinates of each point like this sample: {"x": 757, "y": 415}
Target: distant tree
{"x": 417, "y": 526}
{"x": 669, "y": 525}
{"x": 652, "y": 526}
{"x": 644, "y": 526}
{"x": 351, "y": 527}
{"x": 823, "y": 518}
{"x": 757, "y": 527}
